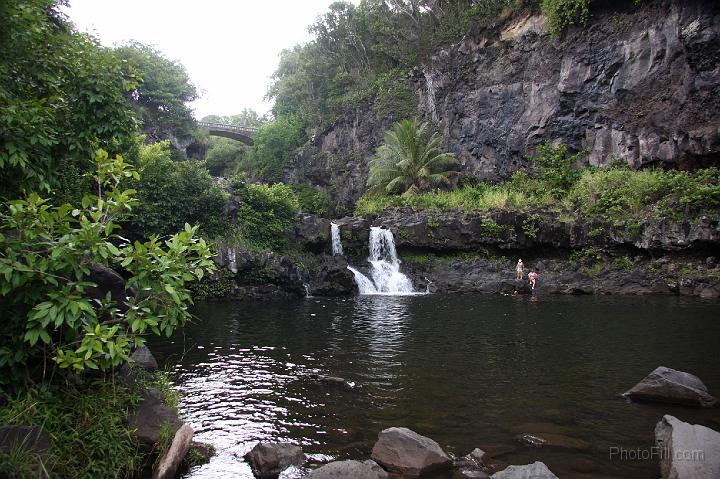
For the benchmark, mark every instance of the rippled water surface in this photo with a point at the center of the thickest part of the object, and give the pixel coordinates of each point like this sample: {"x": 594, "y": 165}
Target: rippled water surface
{"x": 467, "y": 370}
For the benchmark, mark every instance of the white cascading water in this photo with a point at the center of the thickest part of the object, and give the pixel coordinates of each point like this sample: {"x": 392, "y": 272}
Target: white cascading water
{"x": 384, "y": 267}
{"x": 337, "y": 249}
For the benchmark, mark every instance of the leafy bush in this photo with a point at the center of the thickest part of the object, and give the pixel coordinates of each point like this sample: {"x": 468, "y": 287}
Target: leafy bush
{"x": 620, "y": 193}
{"x": 410, "y": 161}
{"x": 173, "y": 193}
{"x": 274, "y": 144}
{"x": 265, "y": 214}
{"x": 555, "y": 168}
{"x": 563, "y": 13}
{"x": 46, "y": 256}
{"x": 312, "y": 200}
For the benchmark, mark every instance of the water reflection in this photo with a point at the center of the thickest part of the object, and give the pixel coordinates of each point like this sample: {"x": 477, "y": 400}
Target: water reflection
{"x": 469, "y": 371}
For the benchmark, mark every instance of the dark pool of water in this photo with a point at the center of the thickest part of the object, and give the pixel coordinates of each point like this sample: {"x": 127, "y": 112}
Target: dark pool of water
{"x": 466, "y": 370}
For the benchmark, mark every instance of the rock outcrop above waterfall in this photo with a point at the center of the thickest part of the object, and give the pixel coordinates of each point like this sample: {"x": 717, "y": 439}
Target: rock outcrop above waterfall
{"x": 638, "y": 82}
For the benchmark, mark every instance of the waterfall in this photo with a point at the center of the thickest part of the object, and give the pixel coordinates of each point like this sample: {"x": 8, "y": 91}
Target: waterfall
{"x": 337, "y": 249}
{"x": 385, "y": 275}
{"x": 429, "y": 82}
{"x": 365, "y": 286}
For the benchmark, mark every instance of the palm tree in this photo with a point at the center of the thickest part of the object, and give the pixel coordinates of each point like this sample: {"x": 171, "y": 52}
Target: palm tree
{"x": 409, "y": 162}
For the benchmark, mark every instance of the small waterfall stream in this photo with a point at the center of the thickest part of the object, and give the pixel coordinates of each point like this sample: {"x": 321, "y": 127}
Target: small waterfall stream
{"x": 337, "y": 249}
{"x": 385, "y": 275}
{"x": 431, "y": 102}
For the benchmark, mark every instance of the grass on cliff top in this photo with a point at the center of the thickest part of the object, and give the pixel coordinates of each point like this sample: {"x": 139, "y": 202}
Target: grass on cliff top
{"x": 612, "y": 194}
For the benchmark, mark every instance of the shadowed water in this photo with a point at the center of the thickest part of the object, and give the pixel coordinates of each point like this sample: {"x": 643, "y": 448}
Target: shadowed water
{"x": 469, "y": 371}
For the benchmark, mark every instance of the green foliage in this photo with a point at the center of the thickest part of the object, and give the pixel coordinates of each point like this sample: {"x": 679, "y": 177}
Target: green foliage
{"x": 46, "y": 256}
{"x": 265, "y": 215}
{"x": 563, "y": 13}
{"x": 273, "y": 146}
{"x": 589, "y": 255}
{"x": 219, "y": 285}
{"x": 555, "y": 167}
{"x": 312, "y": 200}
{"x": 161, "y": 95}
{"x": 410, "y": 161}
{"x": 80, "y": 448}
{"x": 247, "y": 117}
{"x": 530, "y": 225}
{"x": 480, "y": 197}
{"x": 621, "y": 194}
{"x": 360, "y": 52}
{"x": 173, "y": 193}
{"x": 61, "y": 96}
{"x": 224, "y": 156}
{"x": 490, "y": 229}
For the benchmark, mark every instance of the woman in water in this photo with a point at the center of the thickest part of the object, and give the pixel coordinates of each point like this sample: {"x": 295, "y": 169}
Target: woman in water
{"x": 532, "y": 276}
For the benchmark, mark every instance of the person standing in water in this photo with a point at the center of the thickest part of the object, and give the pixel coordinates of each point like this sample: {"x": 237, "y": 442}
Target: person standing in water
{"x": 532, "y": 276}
{"x": 519, "y": 270}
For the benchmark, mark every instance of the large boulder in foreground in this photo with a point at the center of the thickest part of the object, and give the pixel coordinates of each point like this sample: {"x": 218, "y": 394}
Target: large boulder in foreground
{"x": 268, "y": 460}
{"x": 349, "y": 470}
{"x": 150, "y": 417}
{"x": 401, "y": 450}
{"x": 674, "y": 387}
{"x": 689, "y": 451}
{"x": 536, "y": 470}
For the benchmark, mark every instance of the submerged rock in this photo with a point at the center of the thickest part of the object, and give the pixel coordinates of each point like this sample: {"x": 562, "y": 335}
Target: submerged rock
{"x": 687, "y": 451}
{"x": 349, "y": 470}
{"x": 536, "y": 470}
{"x": 268, "y": 460}
{"x": 558, "y": 441}
{"x": 674, "y": 387}
{"x": 401, "y": 450}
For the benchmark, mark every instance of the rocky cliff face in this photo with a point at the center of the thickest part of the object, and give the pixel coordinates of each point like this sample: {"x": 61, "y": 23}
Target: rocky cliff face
{"x": 638, "y": 83}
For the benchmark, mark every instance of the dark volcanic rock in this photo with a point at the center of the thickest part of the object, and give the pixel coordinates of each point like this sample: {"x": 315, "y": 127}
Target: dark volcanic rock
{"x": 640, "y": 84}
{"x": 671, "y": 386}
{"x": 349, "y": 470}
{"x": 332, "y": 278}
{"x": 313, "y": 232}
{"x": 401, "y": 450}
{"x": 143, "y": 358}
{"x": 150, "y": 417}
{"x": 268, "y": 460}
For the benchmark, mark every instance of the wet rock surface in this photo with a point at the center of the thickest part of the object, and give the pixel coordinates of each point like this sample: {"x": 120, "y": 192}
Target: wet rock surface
{"x": 150, "y": 417}
{"x": 536, "y": 470}
{"x": 404, "y": 451}
{"x": 690, "y": 451}
{"x": 349, "y": 470}
{"x": 268, "y": 460}
{"x": 675, "y": 387}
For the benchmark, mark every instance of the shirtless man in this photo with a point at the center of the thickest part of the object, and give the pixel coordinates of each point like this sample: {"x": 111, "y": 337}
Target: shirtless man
{"x": 519, "y": 270}
{"x": 532, "y": 276}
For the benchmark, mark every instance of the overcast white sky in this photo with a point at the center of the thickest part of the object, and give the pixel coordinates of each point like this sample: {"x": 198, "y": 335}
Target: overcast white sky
{"x": 229, "y": 48}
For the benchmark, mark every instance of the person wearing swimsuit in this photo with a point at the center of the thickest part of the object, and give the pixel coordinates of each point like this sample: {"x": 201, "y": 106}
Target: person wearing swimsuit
{"x": 532, "y": 276}
{"x": 519, "y": 270}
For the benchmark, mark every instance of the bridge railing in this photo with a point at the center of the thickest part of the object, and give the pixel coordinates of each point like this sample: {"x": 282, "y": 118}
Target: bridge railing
{"x": 220, "y": 126}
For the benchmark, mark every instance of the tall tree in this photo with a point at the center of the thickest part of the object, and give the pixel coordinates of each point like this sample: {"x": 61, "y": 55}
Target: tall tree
{"x": 161, "y": 96}
{"x": 61, "y": 96}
